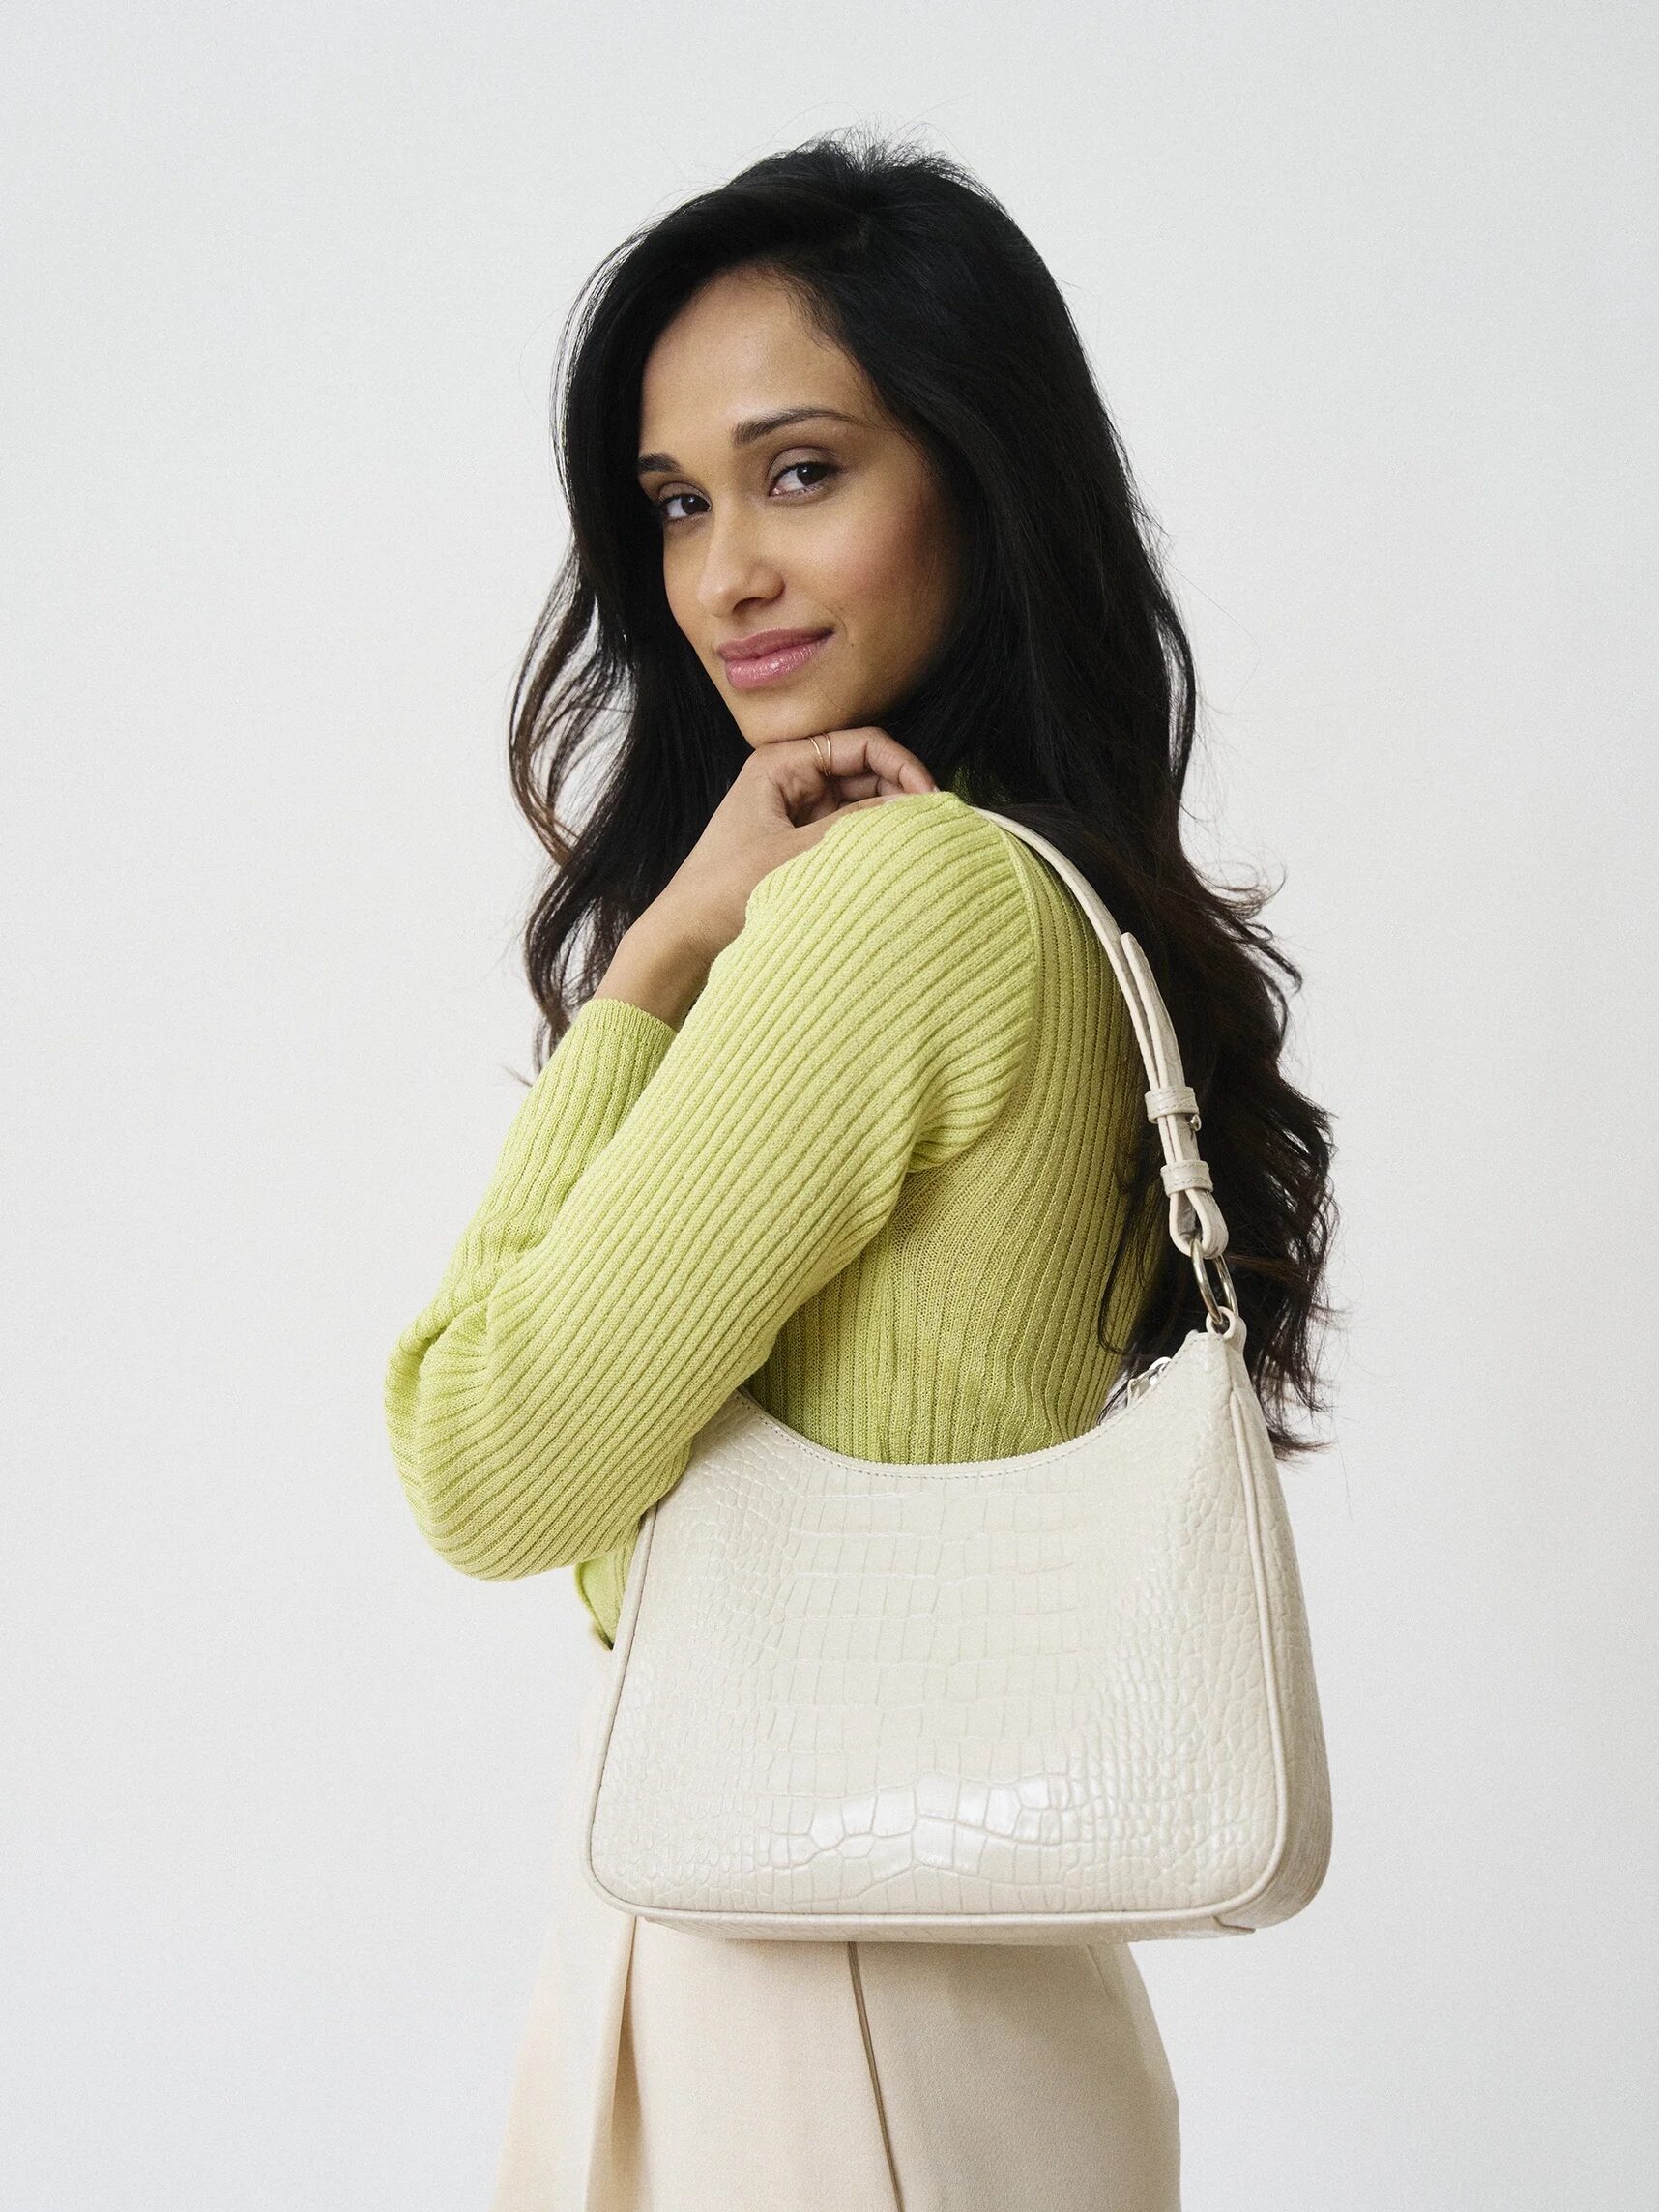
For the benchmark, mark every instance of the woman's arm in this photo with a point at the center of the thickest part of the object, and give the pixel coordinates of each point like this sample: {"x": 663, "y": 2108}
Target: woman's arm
{"x": 871, "y": 1017}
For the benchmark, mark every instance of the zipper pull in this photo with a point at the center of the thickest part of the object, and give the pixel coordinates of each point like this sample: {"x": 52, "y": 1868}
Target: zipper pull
{"x": 1140, "y": 1384}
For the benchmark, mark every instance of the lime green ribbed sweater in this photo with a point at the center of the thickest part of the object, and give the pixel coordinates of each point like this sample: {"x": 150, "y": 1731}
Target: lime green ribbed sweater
{"x": 873, "y": 1175}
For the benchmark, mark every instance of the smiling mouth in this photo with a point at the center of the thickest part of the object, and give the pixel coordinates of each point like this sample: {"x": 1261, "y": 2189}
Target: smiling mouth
{"x": 753, "y": 670}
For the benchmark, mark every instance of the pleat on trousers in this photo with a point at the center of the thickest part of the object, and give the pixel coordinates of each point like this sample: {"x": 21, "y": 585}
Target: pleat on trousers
{"x": 666, "y": 2072}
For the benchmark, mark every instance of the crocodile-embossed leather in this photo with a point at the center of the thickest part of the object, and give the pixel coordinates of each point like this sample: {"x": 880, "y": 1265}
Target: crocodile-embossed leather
{"x": 1050, "y": 1698}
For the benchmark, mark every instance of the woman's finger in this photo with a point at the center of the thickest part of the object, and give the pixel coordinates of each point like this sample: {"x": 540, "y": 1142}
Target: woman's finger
{"x": 867, "y": 749}
{"x": 814, "y": 776}
{"x": 897, "y": 764}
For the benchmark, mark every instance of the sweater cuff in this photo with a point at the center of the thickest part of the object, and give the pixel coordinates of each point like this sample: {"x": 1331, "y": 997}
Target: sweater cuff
{"x": 599, "y": 1067}
{"x": 627, "y": 1024}
{"x": 576, "y": 1104}
{"x": 601, "y": 1064}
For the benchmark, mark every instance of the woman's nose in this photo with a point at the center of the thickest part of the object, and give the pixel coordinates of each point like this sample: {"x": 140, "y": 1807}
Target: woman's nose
{"x": 736, "y": 566}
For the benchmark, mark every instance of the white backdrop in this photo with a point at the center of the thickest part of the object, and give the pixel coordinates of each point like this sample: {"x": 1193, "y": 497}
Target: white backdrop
{"x": 1367, "y": 293}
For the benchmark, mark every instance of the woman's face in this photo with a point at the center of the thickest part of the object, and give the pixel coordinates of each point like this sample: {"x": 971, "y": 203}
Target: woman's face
{"x": 830, "y": 527}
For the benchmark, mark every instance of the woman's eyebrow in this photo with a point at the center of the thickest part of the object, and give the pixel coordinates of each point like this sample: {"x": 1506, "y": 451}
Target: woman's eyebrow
{"x": 757, "y": 426}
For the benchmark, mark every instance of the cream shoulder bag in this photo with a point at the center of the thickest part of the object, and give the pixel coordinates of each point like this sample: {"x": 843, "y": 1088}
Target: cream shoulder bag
{"x": 1062, "y": 1697}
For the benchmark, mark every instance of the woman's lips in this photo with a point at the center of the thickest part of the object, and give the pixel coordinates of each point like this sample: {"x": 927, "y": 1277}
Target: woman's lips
{"x": 751, "y": 671}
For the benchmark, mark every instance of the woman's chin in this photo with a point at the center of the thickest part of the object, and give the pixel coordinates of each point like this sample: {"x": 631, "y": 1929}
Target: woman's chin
{"x": 800, "y": 718}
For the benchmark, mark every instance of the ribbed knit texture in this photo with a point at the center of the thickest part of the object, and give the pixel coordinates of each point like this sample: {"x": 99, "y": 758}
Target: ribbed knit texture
{"x": 874, "y": 1174}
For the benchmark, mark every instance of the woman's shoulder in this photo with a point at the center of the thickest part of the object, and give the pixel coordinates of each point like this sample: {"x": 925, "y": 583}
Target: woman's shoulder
{"x": 892, "y": 966}
{"x": 929, "y": 853}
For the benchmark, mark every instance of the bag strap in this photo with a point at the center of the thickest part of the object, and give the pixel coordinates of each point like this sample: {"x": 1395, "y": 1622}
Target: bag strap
{"x": 1196, "y": 1224}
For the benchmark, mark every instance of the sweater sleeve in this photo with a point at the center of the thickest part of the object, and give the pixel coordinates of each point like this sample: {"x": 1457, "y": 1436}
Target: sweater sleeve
{"x": 640, "y": 1248}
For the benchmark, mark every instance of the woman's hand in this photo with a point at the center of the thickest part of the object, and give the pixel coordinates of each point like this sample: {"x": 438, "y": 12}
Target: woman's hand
{"x": 780, "y": 804}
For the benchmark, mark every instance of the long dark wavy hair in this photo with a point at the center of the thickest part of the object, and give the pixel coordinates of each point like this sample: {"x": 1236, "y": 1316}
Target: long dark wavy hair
{"x": 1066, "y": 696}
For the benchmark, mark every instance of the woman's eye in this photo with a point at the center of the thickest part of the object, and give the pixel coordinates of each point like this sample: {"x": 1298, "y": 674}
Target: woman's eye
{"x": 665, "y": 505}
{"x": 793, "y": 468}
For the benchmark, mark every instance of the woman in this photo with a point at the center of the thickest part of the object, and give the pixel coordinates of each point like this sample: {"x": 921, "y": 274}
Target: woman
{"x": 851, "y": 1109}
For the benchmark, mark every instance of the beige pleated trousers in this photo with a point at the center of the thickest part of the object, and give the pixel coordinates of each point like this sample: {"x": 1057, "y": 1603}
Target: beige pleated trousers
{"x": 667, "y": 2071}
